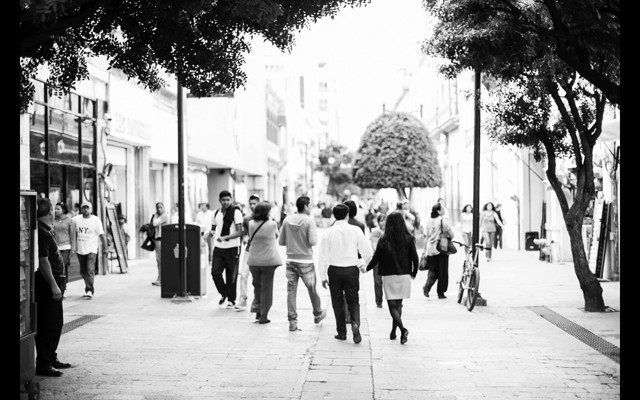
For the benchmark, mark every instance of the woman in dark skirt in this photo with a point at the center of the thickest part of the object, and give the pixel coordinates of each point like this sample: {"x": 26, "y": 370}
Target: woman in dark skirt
{"x": 397, "y": 261}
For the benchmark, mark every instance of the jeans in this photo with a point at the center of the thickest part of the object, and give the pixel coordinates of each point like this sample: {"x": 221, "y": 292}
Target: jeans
{"x": 489, "y": 238}
{"x": 225, "y": 261}
{"x": 87, "y": 270}
{"x": 377, "y": 285}
{"x": 158, "y": 249}
{"x": 344, "y": 284}
{"x": 262, "y": 290}
{"x": 498, "y": 241}
{"x": 306, "y": 272}
{"x": 49, "y": 315}
{"x": 66, "y": 262}
{"x": 243, "y": 276}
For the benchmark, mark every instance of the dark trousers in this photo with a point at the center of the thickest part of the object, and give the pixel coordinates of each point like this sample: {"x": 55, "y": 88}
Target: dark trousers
{"x": 438, "y": 271}
{"x": 225, "y": 261}
{"x": 262, "y": 280}
{"x": 49, "y": 323}
{"x": 377, "y": 285}
{"x": 344, "y": 284}
{"x": 498, "y": 242}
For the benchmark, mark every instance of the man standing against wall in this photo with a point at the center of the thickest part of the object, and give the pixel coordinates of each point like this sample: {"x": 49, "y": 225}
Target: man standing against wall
{"x": 226, "y": 230}
{"x": 89, "y": 230}
{"x": 338, "y": 263}
{"x": 49, "y": 287}
{"x": 299, "y": 234}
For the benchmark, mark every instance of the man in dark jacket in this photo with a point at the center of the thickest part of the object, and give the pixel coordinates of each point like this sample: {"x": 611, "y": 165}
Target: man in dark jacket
{"x": 50, "y": 284}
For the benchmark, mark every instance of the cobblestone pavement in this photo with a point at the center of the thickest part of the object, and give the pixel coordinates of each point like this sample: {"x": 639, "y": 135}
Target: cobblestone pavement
{"x": 128, "y": 343}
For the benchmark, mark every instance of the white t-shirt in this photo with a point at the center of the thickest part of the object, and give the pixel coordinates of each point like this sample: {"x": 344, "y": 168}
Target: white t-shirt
{"x": 218, "y": 222}
{"x": 87, "y": 232}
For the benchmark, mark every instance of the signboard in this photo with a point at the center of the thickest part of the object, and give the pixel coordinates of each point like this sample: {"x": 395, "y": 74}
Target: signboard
{"x": 117, "y": 237}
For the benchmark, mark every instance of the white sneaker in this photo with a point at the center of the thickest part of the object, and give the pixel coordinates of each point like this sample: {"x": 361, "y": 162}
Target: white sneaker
{"x": 88, "y": 295}
{"x": 231, "y": 304}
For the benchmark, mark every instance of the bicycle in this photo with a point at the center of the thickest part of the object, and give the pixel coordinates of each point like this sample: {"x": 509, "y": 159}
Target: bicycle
{"x": 469, "y": 282}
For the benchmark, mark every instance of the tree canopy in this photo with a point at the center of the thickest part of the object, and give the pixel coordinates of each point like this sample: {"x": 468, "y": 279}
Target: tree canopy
{"x": 336, "y": 163}
{"x": 557, "y": 65}
{"x": 507, "y": 36}
{"x": 396, "y": 152}
{"x": 201, "y": 42}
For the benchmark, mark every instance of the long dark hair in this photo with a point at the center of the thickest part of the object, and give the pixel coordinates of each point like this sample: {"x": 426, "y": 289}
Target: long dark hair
{"x": 396, "y": 237}
{"x": 435, "y": 210}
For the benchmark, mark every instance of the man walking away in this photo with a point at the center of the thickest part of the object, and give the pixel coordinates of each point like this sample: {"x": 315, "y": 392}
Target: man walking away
{"x": 338, "y": 263}
{"x": 88, "y": 228}
{"x": 227, "y": 230}
{"x": 299, "y": 234}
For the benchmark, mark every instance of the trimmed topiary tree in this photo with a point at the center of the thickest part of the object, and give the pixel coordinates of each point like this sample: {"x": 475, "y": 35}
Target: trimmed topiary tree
{"x": 396, "y": 152}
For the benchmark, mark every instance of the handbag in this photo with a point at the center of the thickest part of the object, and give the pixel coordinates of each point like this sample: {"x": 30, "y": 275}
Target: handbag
{"x": 252, "y": 235}
{"x": 422, "y": 265}
{"x": 148, "y": 244}
{"x": 444, "y": 244}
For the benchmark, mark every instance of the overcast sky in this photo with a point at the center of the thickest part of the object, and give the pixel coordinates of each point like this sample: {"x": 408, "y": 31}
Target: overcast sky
{"x": 369, "y": 46}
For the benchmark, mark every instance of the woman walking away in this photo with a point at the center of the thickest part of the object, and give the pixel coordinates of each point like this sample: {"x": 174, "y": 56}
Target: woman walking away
{"x": 437, "y": 262}
{"x": 397, "y": 261}
{"x": 264, "y": 258}
{"x": 466, "y": 225}
{"x": 489, "y": 221}
{"x": 63, "y": 230}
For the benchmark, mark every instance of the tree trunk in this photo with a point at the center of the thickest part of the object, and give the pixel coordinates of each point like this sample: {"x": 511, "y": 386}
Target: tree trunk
{"x": 591, "y": 288}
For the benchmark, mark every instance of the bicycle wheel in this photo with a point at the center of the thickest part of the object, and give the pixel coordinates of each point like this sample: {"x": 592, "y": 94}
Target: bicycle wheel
{"x": 461, "y": 283}
{"x": 472, "y": 288}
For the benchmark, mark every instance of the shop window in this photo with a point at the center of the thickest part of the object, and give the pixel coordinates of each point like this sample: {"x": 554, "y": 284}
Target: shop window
{"x": 39, "y": 91}
{"x": 38, "y": 178}
{"x": 88, "y": 142}
{"x": 36, "y": 132}
{"x": 73, "y": 188}
{"x": 56, "y": 182}
{"x": 88, "y": 185}
{"x": 63, "y": 141}
{"x": 59, "y": 101}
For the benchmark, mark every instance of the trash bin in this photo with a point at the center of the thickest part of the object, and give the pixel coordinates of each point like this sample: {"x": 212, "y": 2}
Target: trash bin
{"x": 170, "y": 266}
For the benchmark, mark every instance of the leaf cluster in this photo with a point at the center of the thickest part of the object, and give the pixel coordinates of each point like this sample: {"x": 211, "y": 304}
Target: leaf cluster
{"x": 396, "y": 152}
{"x": 201, "y": 42}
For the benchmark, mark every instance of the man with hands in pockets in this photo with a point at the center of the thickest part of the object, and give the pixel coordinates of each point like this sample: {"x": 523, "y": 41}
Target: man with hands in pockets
{"x": 340, "y": 269}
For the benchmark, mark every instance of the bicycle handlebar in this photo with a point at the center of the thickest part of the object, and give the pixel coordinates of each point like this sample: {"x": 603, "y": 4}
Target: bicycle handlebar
{"x": 478, "y": 245}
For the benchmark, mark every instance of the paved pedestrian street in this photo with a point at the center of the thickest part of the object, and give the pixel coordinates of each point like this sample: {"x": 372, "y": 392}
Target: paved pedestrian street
{"x": 128, "y": 343}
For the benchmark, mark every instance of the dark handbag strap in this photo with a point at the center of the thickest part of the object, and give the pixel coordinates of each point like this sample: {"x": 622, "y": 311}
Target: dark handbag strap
{"x": 254, "y": 232}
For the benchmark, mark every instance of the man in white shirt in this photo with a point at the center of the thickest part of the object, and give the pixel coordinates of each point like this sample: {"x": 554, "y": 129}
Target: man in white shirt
{"x": 88, "y": 229}
{"x": 227, "y": 232}
{"x": 340, "y": 268}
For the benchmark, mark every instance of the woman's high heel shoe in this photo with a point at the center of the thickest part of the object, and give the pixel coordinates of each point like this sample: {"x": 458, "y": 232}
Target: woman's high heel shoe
{"x": 403, "y": 336}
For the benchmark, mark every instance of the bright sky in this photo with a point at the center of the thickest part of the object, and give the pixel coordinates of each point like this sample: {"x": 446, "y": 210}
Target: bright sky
{"x": 368, "y": 46}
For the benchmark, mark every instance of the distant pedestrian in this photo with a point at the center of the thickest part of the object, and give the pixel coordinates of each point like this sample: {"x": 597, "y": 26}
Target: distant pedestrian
{"x": 499, "y": 227}
{"x": 63, "y": 229}
{"x": 466, "y": 226}
{"x": 299, "y": 234}
{"x": 489, "y": 221}
{"x": 397, "y": 261}
{"x": 227, "y": 231}
{"x": 204, "y": 219}
{"x": 158, "y": 220}
{"x": 338, "y": 263}
{"x": 409, "y": 219}
{"x": 437, "y": 262}
{"x": 122, "y": 221}
{"x": 49, "y": 287}
{"x": 376, "y": 234}
{"x": 264, "y": 258}
{"x": 243, "y": 267}
{"x": 89, "y": 232}
{"x": 327, "y": 215}
{"x": 353, "y": 213}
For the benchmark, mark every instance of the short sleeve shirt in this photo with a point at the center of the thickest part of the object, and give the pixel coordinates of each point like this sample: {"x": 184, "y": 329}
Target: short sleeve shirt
{"x": 218, "y": 222}
{"x": 87, "y": 232}
{"x": 48, "y": 248}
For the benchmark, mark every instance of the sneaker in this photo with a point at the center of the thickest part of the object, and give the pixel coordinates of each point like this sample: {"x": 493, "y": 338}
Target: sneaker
{"x": 293, "y": 326}
{"x": 318, "y": 318}
{"x": 242, "y": 303}
{"x": 357, "y": 338}
{"x": 88, "y": 295}
{"x": 222, "y": 299}
{"x": 231, "y": 304}
{"x": 240, "y": 307}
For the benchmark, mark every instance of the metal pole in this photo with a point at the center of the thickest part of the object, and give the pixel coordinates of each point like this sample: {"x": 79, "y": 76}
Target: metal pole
{"x": 181, "y": 228}
{"x": 476, "y": 165}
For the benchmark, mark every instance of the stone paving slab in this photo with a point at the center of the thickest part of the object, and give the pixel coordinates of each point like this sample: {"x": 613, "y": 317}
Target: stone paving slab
{"x": 147, "y": 347}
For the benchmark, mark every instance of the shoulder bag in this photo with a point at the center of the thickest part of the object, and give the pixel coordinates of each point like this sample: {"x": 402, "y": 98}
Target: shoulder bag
{"x": 444, "y": 244}
{"x": 253, "y": 234}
